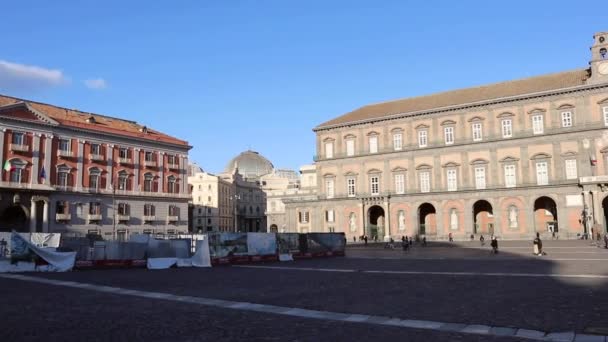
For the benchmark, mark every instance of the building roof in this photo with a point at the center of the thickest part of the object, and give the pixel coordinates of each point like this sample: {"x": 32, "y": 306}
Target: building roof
{"x": 250, "y": 164}
{"x": 100, "y": 123}
{"x": 462, "y": 96}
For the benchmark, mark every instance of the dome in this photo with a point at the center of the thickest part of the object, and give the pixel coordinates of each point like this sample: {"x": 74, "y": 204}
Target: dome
{"x": 251, "y": 165}
{"x": 193, "y": 169}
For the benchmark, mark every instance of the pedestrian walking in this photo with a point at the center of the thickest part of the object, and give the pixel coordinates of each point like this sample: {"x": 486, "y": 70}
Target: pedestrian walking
{"x": 354, "y": 239}
{"x": 482, "y": 240}
{"x": 494, "y": 244}
{"x": 402, "y": 238}
{"x": 538, "y": 245}
{"x": 472, "y": 237}
{"x": 606, "y": 240}
{"x": 405, "y": 245}
{"x": 365, "y": 239}
{"x": 424, "y": 241}
{"x": 450, "y": 237}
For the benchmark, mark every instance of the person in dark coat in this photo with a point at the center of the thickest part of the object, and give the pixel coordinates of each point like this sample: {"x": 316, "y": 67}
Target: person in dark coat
{"x": 482, "y": 240}
{"x": 424, "y": 240}
{"x": 450, "y": 237}
{"x": 494, "y": 245}
{"x": 538, "y": 245}
{"x": 365, "y": 239}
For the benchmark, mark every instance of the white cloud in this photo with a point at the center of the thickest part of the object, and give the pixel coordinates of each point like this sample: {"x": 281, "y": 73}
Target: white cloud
{"x": 96, "y": 83}
{"x": 15, "y": 76}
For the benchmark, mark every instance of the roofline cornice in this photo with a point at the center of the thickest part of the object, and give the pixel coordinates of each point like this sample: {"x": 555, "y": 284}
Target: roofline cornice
{"x": 467, "y": 105}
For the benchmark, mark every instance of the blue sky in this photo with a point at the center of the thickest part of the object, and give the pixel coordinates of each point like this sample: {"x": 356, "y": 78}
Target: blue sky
{"x": 232, "y": 75}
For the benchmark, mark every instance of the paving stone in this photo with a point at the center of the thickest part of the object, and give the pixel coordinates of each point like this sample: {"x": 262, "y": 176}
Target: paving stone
{"x": 412, "y": 323}
{"x": 501, "y": 331}
{"x": 589, "y": 338}
{"x": 560, "y": 336}
{"x": 476, "y": 329}
{"x": 527, "y": 333}
{"x": 452, "y": 327}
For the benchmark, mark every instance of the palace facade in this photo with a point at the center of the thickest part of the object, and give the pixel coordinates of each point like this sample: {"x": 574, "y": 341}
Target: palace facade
{"x": 75, "y": 172}
{"x": 507, "y": 159}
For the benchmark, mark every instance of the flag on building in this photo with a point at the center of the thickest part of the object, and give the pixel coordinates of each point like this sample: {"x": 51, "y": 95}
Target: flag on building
{"x": 7, "y": 166}
{"x": 43, "y": 174}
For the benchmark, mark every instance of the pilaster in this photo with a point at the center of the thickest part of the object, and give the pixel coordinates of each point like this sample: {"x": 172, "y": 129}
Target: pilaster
{"x": 80, "y": 161}
{"x": 35, "y": 177}
{"x": 48, "y": 142}
{"x": 161, "y": 168}
{"x": 109, "y": 166}
{"x": 136, "y": 169}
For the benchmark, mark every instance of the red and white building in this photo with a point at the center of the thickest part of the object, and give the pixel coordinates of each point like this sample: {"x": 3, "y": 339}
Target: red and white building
{"x": 70, "y": 171}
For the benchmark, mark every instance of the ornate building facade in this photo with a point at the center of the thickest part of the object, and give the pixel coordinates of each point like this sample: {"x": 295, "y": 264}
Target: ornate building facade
{"x": 71, "y": 171}
{"x": 507, "y": 159}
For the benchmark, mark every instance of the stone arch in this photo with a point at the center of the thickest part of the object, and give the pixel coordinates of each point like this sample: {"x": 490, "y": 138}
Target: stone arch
{"x": 545, "y": 214}
{"x": 427, "y": 219}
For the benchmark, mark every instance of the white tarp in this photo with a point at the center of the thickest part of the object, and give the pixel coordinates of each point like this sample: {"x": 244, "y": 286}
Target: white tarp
{"x": 285, "y": 257}
{"x": 202, "y": 258}
{"x": 58, "y": 261}
{"x": 261, "y": 244}
{"x": 45, "y": 239}
{"x": 161, "y": 263}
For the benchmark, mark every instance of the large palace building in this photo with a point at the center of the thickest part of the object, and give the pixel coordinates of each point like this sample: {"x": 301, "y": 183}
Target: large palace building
{"x": 509, "y": 159}
{"x": 70, "y": 171}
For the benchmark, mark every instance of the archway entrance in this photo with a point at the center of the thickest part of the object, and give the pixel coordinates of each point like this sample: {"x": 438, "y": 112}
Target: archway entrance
{"x": 427, "y": 221}
{"x": 14, "y": 217}
{"x": 483, "y": 218}
{"x": 545, "y": 215}
{"x": 376, "y": 224}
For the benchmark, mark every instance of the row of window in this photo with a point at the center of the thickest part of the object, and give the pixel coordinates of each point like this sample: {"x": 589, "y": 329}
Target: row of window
{"x": 506, "y": 128}
{"x": 424, "y": 179}
{"x": 123, "y": 209}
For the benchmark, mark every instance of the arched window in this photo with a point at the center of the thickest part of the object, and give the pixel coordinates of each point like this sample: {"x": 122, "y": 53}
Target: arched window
{"x": 401, "y": 219}
{"x": 148, "y": 182}
{"x": 94, "y": 178}
{"x": 172, "y": 185}
{"x": 63, "y": 176}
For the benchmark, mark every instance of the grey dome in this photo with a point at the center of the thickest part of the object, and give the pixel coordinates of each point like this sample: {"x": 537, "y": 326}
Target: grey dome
{"x": 193, "y": 169}
{"x": 251, "y": 165}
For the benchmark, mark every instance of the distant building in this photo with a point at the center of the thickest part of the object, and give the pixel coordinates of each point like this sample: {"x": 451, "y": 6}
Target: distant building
{"x": 76, "y": 172}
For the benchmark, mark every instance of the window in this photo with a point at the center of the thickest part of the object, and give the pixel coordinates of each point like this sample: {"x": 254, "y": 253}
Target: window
{"x": 425, "y": 181}
{"x": 95, "y": 149}
{"x": 477, "y": 132}
{"x": 510, "y": 178}
{"x": 149, "y": 210}
{"x": 566, "y": 119}
{"x": 542, "y": 178}
{"x": 480, "y": 178}
{"x": 16, "y": 175}
{"x": 64, "y": 145}
{"x": 329, "y": 187}
{"x": 17, "y": 171}
{"x": 148, "y": 182}
{"x": 62, "y": 207}
{"x": 400, "y": 183}
{"x": 172, "y": 186}
{"x": 375, "y": 185}
{"x": 94, "y": 208}
{"x": 350, "y": 147}
{"x": 123, "y": 153}
{"x": 149, "y": 156}
{"x": 537, "y": 124}
{"x": 448, "y": 133}
{"x": 173, "y": 210}
{"x": 123, "y": 180}
{"x": 397, "y": 141}
{"x": 351, "y": 191}
{"x": 94, "y": 176}
{"x": 18, "y": 138}
{"x": 605, "y": 111}
{"x": 452, "y": 181}
{"x": 63, "y": 176}
{"x": 507, "y": 128}
{"x": 401, "y": 220}
{"x": 304, "y": 216}
{"x": 123, "y": 209}
{"x": 373, "y": 144}
{"x": 329, "y": 150}
{"x": 422, "y": 138}
{"x": 171, "y": 159}
{"x": 329, "y": 216}
{"x": 571, "y": 172}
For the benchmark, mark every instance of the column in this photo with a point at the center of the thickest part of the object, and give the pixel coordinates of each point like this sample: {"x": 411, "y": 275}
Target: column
{"x": 136, "y": 168}
{"x": 493, "y": 167}
{"x": 525, "y": 165}
{"x": 48, "y": 141}
{"x": 161, "y": 167}
{"x": 529, "y": 215}
{"x": 2, "y": 145}
{"x": 387, "y": 221}
{"x": 414, "y": 222}
{"x": 596, "y": 201}
{"x": 45, "y": 217}
{"x": 80, "y": 161}
{"x": 35, "y": 177}
{"x": 109, "y": 166}
{"x": 362, "y": 205}
{"x": 439, "y": 224}
{"x": 468, "y": 218}
{"x": 184, "y": 181}
{"x": 33, "y": 216}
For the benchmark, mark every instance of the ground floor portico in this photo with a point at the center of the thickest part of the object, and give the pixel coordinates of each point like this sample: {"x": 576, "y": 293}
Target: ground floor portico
{"x": 567, "y": 212}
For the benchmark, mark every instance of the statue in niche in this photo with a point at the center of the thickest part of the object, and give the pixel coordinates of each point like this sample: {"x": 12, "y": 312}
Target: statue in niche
{"x": 352, "y": 222}
{"x": 401, "y": 220}
{"x": 453, "y": 219}
{"x": 512, "y": 217}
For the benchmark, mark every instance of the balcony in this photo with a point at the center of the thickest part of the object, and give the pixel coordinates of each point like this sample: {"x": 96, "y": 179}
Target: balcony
{"x": 65, "y": 153}
{"x": 150, "y": 163}
{"x": 63, "y": 217}
{"x": 94, "y": 217}
{"x": 149, "y": 218}
{"x": 19, "y": 148}
{"x": 173, "y": 166}
{"x": 172, "y": 219}
{"x": 120, "y": 217}
{"x": 124, "y": 161}
{"x": 96, "y": 157}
